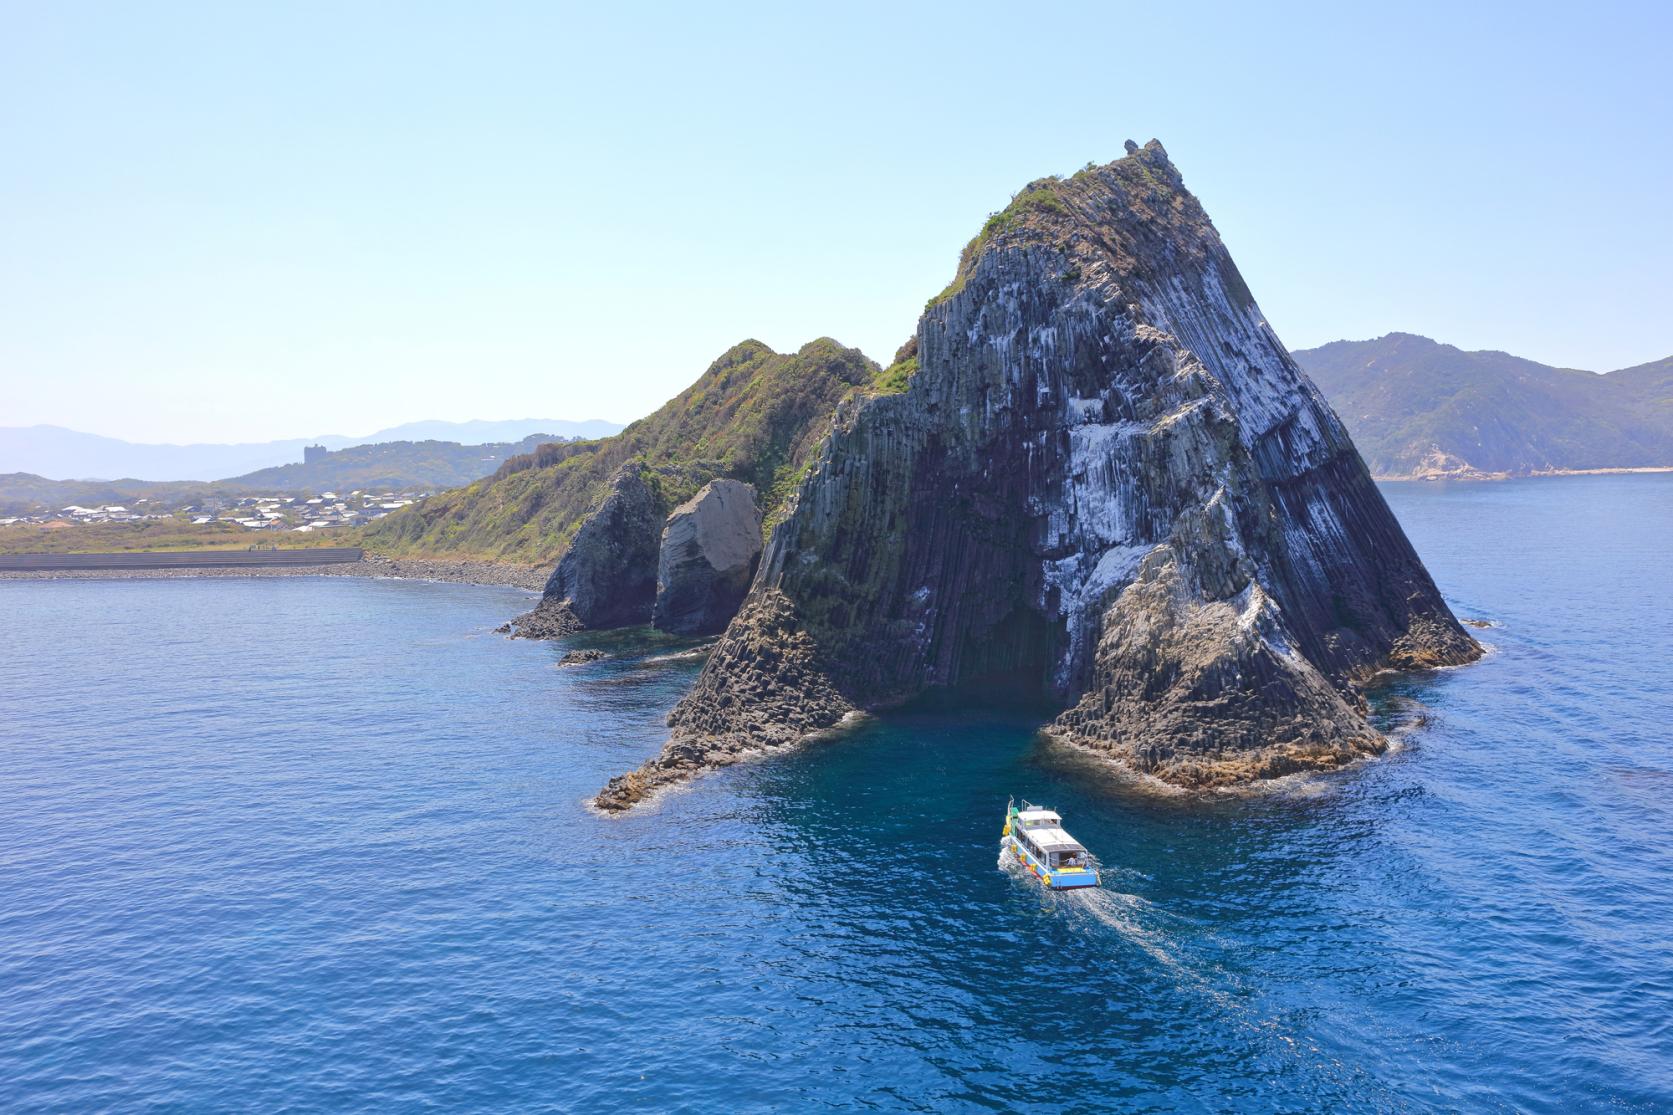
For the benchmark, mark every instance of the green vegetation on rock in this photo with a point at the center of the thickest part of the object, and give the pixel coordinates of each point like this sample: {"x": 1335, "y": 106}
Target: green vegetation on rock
{"x": 1045, "y": 211}
{"x": 755, "y": 415}
{"x": 1035, "y": 199}
{"x": 893, "y": 379}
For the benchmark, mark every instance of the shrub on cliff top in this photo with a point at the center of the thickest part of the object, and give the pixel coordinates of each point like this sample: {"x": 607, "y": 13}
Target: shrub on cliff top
{"x": 893, "y": 379}
{"x": 1040, "y": 197}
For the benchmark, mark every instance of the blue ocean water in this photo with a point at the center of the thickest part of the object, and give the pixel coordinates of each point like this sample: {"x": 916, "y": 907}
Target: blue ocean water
{"x": 320, "y": 845}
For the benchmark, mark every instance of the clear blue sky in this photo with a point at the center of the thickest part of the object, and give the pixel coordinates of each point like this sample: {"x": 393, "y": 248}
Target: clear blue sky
{"x": 225, "y": 222}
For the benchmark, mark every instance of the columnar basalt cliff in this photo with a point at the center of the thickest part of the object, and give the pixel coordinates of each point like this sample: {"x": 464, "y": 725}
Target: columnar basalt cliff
{"x": 1103, "y": 482}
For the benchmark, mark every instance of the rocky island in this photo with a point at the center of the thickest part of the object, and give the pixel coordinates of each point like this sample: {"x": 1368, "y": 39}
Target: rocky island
{"x": 1094, "y": 477}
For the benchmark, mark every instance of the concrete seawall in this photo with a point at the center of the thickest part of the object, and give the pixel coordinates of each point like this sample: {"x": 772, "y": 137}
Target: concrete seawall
{"x": 179, "y": 559}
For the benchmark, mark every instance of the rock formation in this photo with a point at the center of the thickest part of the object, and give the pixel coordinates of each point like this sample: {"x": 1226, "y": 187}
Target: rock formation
{"x": 753, "y": 415}
{"x": 598, "y": 508}
{"x": 710, "y": 547}
{"x": 607, "y": 577}
{"x": 1103, "y": 482}
{"x": 549, "y": 619}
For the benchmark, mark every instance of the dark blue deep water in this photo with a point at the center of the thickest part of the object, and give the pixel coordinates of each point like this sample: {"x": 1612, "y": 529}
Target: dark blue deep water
{"x": 319, "y": 845}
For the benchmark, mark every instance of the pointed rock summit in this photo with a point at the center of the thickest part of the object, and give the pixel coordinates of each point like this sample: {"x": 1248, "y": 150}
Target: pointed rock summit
{"x": 1100, "y": 480}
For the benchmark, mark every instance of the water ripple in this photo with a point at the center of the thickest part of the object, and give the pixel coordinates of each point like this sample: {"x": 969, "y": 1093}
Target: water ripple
{"x": 319, "y": 845}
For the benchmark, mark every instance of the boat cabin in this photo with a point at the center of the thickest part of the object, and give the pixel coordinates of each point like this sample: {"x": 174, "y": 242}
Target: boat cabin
{"x": 1040, "y": 832}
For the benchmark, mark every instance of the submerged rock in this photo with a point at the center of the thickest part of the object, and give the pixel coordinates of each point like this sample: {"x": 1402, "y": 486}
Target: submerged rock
{"x": 581, "y": 657}
{"x": 1103, "y": 481}
{"x": 710, "y": 547}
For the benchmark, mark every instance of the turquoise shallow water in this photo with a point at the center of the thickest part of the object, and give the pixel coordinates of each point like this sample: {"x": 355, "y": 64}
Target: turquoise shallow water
{"x": 319, "y": 845}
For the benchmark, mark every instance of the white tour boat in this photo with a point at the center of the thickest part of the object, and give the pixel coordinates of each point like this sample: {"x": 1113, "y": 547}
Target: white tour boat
{"x": 1036, "y": 837}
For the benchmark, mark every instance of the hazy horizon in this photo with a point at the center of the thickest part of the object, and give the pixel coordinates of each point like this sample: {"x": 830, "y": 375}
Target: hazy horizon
{"x": 254, "y": 223}
{"x": 330, "y": 435}
{"x": 383, "y": 431}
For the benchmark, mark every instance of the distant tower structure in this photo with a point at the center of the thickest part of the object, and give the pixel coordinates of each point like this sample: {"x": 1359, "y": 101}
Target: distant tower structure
{"x": 313, "y": 453}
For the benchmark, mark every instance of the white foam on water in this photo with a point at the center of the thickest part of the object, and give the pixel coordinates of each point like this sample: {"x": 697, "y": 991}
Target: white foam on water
{"x": 680, "y": 655}
{"x": 1114, "y": 909}
{"x": 1136, "y": 920}
{"x": 1124, "y": 913}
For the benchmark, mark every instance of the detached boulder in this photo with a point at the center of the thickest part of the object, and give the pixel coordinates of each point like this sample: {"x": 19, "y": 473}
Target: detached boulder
{"x": 710, "y": 548}
{"x": 607, "y": 578}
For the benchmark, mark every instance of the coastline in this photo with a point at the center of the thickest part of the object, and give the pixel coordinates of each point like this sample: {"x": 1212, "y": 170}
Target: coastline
{"x": 1415, "y": 477}
{"x": 529, "y": 577}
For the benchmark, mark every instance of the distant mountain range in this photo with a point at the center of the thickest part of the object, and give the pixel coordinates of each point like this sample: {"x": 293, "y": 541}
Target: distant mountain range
{"x": 393, "y": 466}
{"x": 1417, "y": 408}
{"x": 401, "y": 465}
{"x": 52, "y": 451}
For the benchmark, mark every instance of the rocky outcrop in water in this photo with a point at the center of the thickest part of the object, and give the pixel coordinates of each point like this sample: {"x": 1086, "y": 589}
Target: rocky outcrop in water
{"x": 607, "y": 577}
{"x": 710, "y": 547}
{"x": 1103, "y": 482}
{"x": 552, "y": 618}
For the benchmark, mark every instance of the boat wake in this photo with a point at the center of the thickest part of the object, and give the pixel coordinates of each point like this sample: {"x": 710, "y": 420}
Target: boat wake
{"x": 1127, "y": 914}
{"x": 1166, "y": 940}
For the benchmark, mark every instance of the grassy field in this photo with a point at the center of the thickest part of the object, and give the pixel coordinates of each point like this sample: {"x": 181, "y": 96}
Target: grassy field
{"x": 164, "y": 534}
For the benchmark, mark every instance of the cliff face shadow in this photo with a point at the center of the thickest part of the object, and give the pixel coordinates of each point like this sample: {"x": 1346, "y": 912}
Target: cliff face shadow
{"x": 1019, "y": 694}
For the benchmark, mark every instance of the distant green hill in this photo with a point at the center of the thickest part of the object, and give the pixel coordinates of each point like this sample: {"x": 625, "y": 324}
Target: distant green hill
{"x": 23, "y": 493}
{"x": 430, "y": 466}
{"x": 1419, "y": 408}
{"x": 399, "y": 466}
{"x": 755, "y": 415}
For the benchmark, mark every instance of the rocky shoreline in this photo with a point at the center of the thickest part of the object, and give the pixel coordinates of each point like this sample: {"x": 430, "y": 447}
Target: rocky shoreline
{"x": 531, "y": 577}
